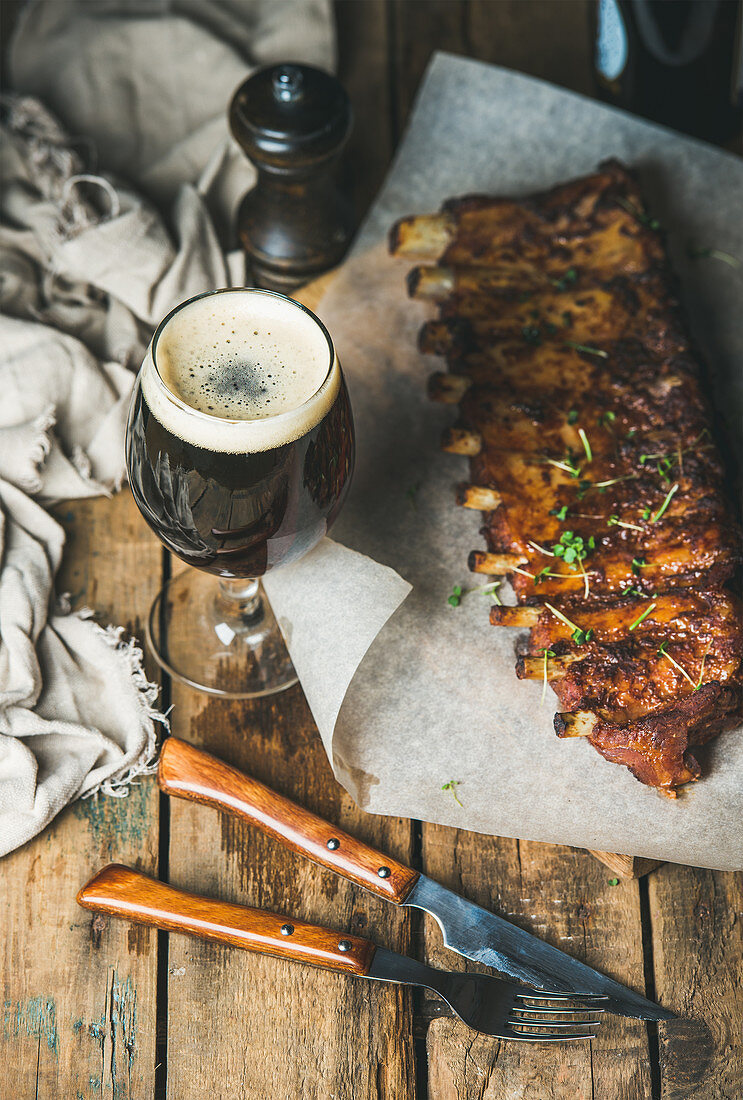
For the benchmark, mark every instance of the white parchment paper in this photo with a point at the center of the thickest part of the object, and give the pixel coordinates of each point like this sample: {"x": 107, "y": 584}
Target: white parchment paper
{"x": 408, "y": 692}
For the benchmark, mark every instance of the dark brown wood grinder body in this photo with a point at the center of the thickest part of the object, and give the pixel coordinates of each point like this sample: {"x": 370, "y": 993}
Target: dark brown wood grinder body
{"x": 292, "y": 122}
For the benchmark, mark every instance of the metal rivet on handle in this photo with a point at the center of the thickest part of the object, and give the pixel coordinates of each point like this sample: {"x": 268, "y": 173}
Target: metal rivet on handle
{"x": 334, "y": 843}
{"x": 287, "y": 929}
{"x": 344, "y": 945}
{"x": 384, "y": 872}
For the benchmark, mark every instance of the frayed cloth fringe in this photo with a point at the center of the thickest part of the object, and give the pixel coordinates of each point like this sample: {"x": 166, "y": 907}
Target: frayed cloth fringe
{"x": 132, "y": 657}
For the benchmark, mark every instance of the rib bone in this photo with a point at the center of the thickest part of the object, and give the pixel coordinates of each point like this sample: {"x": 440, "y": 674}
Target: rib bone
{"x": 533, "y": 668}
{"x": 461, "y": 441}
{"x": 479, "y": 497}
{"x": 497, "y": 564}
{"x": 579, "y": 723}
{"x": 515, "y": 616}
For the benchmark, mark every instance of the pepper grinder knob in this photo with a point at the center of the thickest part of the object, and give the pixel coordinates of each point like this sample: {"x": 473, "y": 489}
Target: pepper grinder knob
{"x": 292, "y": 122}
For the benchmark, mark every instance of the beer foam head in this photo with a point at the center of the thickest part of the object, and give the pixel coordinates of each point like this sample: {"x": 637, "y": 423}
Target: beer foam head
{"x": 240, "y": 371}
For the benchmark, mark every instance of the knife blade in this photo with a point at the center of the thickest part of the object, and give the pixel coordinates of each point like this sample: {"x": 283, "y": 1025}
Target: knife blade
{"x": 487, "y": 938}
{"x": 186, "y": 772}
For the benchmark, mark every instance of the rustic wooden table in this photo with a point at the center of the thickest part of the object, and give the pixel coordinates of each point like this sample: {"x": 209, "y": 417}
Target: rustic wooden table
{"x": 98, "y": 1008}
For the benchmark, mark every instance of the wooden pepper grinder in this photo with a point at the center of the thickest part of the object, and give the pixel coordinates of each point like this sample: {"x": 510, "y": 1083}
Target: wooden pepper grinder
{"x": 292, "y": 122}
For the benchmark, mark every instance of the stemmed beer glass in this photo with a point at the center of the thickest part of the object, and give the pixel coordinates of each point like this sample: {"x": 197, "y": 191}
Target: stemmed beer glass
{"x": 240, "y": 450}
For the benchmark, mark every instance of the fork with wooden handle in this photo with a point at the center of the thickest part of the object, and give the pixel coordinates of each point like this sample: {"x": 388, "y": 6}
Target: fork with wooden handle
{"x": 486, "y": 1004}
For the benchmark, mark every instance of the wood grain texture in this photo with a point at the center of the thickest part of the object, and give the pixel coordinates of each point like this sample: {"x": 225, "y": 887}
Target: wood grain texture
{"x": 627, "y": 866}
{"x": 79, "y": 990}
{"x": 696, "y": 917}
{"x": 285, "y": 1031}
{"x": 187, "y": 772}
{"x": 563, "y": 896}
{"x": 118, "y": 891}
{"x": 363, "y": 69}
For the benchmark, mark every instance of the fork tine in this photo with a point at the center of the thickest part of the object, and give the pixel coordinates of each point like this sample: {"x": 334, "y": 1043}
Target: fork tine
{"x": 532, "y": 1037}
{"x": 538, "y": 995}
{"x": 556, "y": 1011}
{"x": 546, "y": 1025}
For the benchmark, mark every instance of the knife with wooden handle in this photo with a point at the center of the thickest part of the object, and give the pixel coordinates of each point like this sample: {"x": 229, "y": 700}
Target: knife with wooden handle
{"x": 187, "y": 772}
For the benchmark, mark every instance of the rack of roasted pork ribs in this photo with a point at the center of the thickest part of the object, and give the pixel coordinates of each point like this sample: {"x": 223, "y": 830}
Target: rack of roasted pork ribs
{"x": 583, "y": 408}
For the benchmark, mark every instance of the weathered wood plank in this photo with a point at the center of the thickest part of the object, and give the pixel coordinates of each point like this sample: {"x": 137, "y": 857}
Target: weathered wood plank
{"x": 79, "y": 994}
{"x": 697, "y": 935}
{"x": 627, "y": 866}
{"x": 416, "y": 32}
{"x": 363, "y": 68}
{"x": 262, "y": 1027}
{"x": 563, "y": 896}
{"x": 545, "y": 38}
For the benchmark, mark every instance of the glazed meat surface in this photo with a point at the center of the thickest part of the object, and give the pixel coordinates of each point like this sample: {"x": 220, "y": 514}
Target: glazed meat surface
{"x": 583, "y": 410}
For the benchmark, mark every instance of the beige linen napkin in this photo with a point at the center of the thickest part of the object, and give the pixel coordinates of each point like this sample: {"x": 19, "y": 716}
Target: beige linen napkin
{"x": 87, "y": 269}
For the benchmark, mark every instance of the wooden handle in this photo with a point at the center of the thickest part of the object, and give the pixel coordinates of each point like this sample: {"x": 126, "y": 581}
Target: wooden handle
{"x": 187, "y": 772}
{"x": 122, "y": 892}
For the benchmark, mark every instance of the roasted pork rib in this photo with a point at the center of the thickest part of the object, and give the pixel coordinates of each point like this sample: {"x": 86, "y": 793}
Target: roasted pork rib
{"x": 583, "y": 412}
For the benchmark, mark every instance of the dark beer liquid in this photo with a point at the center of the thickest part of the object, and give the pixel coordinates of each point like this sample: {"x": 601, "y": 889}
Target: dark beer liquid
{"x": 240, "y": 439}
{"x": 240, "y": 515}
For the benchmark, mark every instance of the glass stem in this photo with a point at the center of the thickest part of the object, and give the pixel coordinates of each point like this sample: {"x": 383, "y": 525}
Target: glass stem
{"x": 243, "y": 596}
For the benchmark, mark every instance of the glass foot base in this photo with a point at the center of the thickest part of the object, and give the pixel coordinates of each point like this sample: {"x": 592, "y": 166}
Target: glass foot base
{"x": 219, "y": 636}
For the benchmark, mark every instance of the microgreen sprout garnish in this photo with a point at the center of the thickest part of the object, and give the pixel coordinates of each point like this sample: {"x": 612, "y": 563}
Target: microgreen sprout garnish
{"x": 713, "y": 254}
{"x": 580, "y": 637}
{"x": 666, "y": 502}
{"x": 615, "y": 521}
{"x": 613, "y": 881}
{"x": 567, "y": 318}
{"x": 566, "y": 280}
{"x": 568, "y": 464}
{"x": 587, "y": 349}
{"x": 561, "y": 513}
{"x": 631, "y": 590}
{"x": 646, "y": 513}
{"x": 458, "y": 592}
{"x": 664, "y": 465}
{"x": 541, "y": 549}
{"x": 613, "y": 481}
{"x": 606, "y": 419}
{"x": 631, "y": 434}
{"x": 546, "y": 573}
{"x": 412, "y": 493}
{"x": 637, "y": 565}
{"x": 456, "y": 596}
{"x": 640, "y": 215}
{"x": 547, "y": 653}
{"x": 586, "y": 444}
{"x": 532, "y": 335}
{"x": 522, "y": 572}
{"x": 586, "y": 586}
{"x": 641, "y": 618}
{"x": 572, "y": 548}
{"x": 490, "y": 589}
{"x": 572, "y": 416}
{"x": 695, "y": 684}
{"x": 452, "y": 785}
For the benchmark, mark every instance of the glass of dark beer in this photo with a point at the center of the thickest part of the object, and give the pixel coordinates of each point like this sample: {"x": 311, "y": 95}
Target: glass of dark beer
{"x": 240, "y": 449}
